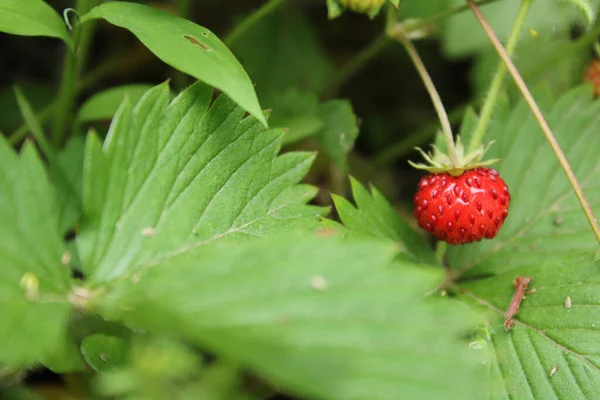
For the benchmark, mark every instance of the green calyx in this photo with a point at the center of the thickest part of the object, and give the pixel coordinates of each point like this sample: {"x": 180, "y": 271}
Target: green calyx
{"x": 439, "y": 162}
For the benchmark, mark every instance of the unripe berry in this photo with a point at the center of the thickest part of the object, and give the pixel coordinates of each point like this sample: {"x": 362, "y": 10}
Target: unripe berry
{"x": 362, "y": 6}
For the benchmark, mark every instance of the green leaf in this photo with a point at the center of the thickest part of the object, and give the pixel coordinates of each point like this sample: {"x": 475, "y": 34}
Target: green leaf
{"x": 31, "y": 18}
{"x": 67, "y": 177}
{"x": 463, "y": 35}
{"x": 374, "y": 216}
{"x": 20, "y": 393}
{"x": 321, "y": 317}
{"x": 339, "y": 132}
{"x": 103, "y": 105}
{"x": 547, "y": 334}
{"x": 544, "y": 236}
{"x": 332, "y": 123}
{"x": 185, "y": 46}
{"x": 30, "y": 249}
{"x": 544, "y": 216}
{"x": 104, "y": 353}
{"x": 182, "y": 175}
{"x": 284, "y": 52}
{"x": 63, "y": 358}
{"x": 298, "y": 113}
{"x": 550, "y": 59}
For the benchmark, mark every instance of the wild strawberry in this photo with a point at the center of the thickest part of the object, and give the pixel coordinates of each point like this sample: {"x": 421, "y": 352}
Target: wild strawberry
{"x": 462, "y": 209}
{"x": 462, "y": 200}
{"x": 592, "y": 74}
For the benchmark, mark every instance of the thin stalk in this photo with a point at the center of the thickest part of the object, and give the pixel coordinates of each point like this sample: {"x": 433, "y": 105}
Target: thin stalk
{"x": 562, "y": 159}
{"x": 498, "y": 80}
{"x": 356, "y": 64}
{"x": 71, "y": 70}
{"x": 20, "y": 133}
{"x": 440, "y": 251}
{"x": 251, "y": 20}
{"x": 435, "y": 97}
{"x": 445, "y": 14}
{"x": 34, "y": 125}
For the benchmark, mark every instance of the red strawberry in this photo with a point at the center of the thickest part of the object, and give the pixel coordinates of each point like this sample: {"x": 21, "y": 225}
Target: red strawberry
{"x": 462, "y": 209}
{"x": 592, "y": 74}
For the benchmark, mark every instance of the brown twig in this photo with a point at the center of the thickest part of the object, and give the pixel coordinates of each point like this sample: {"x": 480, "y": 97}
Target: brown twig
{"x": 520, "y": 283}
{"x": 560, "y": 155}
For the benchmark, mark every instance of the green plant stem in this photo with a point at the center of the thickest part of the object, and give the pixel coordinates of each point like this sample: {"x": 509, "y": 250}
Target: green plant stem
{"x": 356, "y": 64}
{"x": 498, "y": 80}
{"x": 435, "y": 97}
{"x": 251, "y": 20}
{"x": 447, "y": 14}
{"x": 440, "y": 251}
{"x": 180, "y": 79}
{"x": 73, "y": 64}
{"x": 34, "y": 125}
{"x": 562, "y": 159}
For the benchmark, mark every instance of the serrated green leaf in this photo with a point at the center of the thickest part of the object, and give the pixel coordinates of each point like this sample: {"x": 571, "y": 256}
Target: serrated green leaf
{"x": 103, "y": 352}
{"x": 339, "y": 132}
{"x": 543, "y": 237}
{"x": 322, "y": 317}
{"x": 31, "y": 18}
{"x": 67, "y": 183}
{"x": 103, "y": 105}
{"x": 181, "y": 175}
{"x": 185, "y": 46}
{"x": 374, "y": 216}
{"x": 549, "y": 333}
{"x": 30, "y": 246}
{"x": 545, "y": 216}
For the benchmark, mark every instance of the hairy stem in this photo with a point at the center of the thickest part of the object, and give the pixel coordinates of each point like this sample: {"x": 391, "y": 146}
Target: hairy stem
{"x": 562, "y": 159}
{"x": 435, "y": 97}
{"x": 74, "y": 60}
{"x": 498, "y": 80}
{"x": 251, "y": 20}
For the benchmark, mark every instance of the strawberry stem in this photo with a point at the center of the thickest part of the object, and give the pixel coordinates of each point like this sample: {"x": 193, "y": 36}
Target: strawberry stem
{"x": 560, "y": 155}
{"x": 398, "y": 33}
{"x": 498, "y": 80}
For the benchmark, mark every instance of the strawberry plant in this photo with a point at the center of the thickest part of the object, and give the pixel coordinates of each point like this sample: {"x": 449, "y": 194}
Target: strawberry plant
{"x": 225, "y": 202}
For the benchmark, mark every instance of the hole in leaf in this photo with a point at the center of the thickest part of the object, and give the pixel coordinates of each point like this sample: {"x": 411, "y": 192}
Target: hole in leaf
{"x": 196, "y": 42}
{"x": 205, "y": 34}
